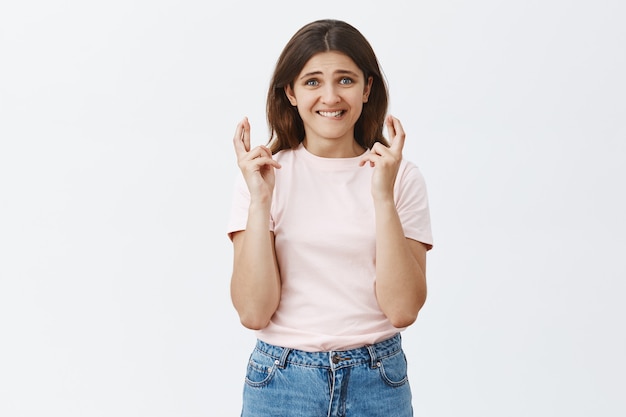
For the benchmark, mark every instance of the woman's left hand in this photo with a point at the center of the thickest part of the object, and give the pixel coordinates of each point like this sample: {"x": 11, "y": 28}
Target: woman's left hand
{"x": 386, "y": 160}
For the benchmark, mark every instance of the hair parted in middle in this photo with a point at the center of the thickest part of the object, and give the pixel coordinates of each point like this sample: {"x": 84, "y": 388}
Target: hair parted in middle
{"x": 285, "y": 124}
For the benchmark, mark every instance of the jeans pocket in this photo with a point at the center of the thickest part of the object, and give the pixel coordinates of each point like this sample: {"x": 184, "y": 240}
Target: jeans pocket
{"x": 261, "y": 369}
{"x": 393, "y": 369}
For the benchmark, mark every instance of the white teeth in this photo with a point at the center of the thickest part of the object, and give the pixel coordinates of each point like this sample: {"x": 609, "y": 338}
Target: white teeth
{"x": 331, "y": 113}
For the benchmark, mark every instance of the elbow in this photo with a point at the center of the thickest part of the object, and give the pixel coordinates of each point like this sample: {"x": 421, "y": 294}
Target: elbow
{"x": 404, "y": 317}
{"x": 253, "y": 321}
{"x": 401, "y": 321}
{"x": 254, "y": 316}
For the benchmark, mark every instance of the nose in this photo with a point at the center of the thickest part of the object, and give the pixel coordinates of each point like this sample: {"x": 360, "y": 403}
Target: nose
{"x": 329, "y": 94}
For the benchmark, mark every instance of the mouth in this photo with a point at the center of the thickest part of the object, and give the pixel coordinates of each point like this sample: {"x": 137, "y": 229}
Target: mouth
{"x": 333, "y": 114}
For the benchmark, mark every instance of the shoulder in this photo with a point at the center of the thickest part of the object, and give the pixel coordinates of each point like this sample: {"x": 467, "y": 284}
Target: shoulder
{"x": 285, "y": 155}
{"x": 410, "y": 171}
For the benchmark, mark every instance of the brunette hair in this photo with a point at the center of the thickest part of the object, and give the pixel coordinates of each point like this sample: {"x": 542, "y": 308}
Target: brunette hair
{"x": 285, "y": 125}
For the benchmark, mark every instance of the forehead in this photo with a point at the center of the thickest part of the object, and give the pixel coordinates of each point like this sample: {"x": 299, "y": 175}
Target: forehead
{"x": 330, "y": 62}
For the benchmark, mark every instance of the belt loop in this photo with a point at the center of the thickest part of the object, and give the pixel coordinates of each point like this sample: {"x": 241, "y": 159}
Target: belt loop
{"x": 283, "y": 358}
{"x": 373, "y": 359}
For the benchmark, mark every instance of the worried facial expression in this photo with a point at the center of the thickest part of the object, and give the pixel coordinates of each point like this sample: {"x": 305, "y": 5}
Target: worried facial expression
{"x": 329, "y": 93}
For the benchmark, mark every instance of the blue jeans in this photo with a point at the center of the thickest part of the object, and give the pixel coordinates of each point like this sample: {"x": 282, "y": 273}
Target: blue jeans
{"x": 365, "y": 382}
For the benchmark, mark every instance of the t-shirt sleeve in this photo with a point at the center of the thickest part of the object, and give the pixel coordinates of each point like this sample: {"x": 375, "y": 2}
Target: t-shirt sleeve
{"x": 412, "y": 204}
{"x": 240, "y": 204}
{"x": 239, "y": 207}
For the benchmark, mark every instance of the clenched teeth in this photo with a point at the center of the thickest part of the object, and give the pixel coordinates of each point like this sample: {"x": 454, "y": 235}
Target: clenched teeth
{"x": 331, "y": 113}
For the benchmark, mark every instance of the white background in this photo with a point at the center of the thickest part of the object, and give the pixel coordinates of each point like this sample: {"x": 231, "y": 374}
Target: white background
{"x": 116, "y": 166}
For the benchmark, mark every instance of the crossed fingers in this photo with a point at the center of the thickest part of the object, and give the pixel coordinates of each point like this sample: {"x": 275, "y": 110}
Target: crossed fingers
{"x": 396, "y": 144}
{"x": 258, "y": 156}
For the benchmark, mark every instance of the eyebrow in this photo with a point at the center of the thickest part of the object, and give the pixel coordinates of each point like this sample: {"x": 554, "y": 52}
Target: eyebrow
{"x": 338, "y": 72}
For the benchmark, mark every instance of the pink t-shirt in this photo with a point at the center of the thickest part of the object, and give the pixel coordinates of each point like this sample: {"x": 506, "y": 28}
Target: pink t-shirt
{"x": 322, "y": 216}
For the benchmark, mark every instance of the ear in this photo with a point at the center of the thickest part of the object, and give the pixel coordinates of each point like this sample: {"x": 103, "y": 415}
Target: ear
{"x": 290, "y": 95}
{"x": 367, "y": 89}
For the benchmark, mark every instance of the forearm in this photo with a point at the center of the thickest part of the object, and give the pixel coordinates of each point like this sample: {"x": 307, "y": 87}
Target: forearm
{"x": 255, "y": 283}
{"x": 400, "y": 270}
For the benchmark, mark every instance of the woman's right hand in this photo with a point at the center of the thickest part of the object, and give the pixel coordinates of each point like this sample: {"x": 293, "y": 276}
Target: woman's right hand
{"x": 257, "y": 165}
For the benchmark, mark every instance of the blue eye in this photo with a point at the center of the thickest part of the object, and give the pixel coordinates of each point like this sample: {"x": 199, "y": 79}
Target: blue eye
{"x": 311, "y": 83}
{"x": 345, "y": 81}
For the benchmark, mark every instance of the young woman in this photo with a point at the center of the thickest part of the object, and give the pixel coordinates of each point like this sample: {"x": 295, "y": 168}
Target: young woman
{"x": 330, "y": 228}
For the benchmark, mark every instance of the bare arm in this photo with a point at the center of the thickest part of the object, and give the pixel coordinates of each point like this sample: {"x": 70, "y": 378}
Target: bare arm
{"x": 400, "y": 262}
{"x": 255, "y": 282}
{"x": 400, "y": 268}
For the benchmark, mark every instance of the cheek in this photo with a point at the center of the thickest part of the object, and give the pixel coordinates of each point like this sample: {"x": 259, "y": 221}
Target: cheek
{"x": 357, "y": 98}
{"x": 358, "y": 103}
{"x": 305, "y": 102}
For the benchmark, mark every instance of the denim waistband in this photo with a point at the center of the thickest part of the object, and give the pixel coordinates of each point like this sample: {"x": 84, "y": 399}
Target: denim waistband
{"x": 332, "y": 359}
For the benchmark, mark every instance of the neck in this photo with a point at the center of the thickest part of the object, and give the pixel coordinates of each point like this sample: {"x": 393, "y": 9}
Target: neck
{"x": 333, "y": 149}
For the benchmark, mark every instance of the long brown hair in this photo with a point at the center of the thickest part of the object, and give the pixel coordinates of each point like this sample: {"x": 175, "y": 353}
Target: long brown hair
{"x": 286, "y": 126}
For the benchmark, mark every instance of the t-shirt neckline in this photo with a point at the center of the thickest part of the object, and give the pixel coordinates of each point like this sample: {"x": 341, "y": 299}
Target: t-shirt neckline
{"x": 329, "y": 163}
